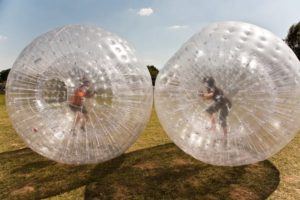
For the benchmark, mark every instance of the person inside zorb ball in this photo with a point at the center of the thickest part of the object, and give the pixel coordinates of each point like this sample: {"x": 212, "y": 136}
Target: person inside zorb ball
{"x": 76, "y": 103}
{"x": 78, "y": 94}
{"x": 221, "y": 104}
{"x": 230, "y": 95}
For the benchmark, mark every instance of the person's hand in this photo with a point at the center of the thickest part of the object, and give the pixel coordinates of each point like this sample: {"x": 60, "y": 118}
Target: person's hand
{"x": 201, "y": 94}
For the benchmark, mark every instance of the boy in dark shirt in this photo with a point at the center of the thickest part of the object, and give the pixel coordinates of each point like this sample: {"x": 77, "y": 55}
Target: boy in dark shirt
{"x": 221, "y": 103}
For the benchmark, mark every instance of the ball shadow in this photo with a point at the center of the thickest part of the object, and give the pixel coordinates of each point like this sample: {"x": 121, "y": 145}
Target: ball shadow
{"x": 161, "y": 172}
{"x": 165, "y": 172}
{"x": 27, "y": 175}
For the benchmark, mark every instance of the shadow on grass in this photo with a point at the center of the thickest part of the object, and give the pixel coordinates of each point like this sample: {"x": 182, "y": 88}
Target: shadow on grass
{"x": 26, "y": 175}
{"x": 161, "y": 172}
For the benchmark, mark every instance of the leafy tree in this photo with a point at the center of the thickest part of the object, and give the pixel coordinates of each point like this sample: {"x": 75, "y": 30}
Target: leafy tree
{"x": 3, "y": 75}
{"x": 3, "y": 78}
{"x": 153, "y": 72}
{"x": 293, "y": 38}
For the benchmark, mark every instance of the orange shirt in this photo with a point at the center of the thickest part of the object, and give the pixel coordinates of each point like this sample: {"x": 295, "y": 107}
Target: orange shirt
{"x": 78, "y": 96}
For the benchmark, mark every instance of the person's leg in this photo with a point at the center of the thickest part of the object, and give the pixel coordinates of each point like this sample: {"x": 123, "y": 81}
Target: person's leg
{"x": 83, "y": 122}
{"x": 211, "y": 110}
{"x": 223, "y": 121}
{"x": 225, "y": 131}
{"x": 76, "y": 118}
{"x": 212, "y": 122}
{"x": 84, "y": 118}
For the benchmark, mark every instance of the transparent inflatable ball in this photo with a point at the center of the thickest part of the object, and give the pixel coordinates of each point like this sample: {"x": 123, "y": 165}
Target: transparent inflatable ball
{"x": 230, "y": 95}
{"x": 79, "y": 95}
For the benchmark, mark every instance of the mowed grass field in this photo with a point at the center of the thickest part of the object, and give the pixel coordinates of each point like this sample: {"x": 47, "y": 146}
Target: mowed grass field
{"x": 153, "y": 168}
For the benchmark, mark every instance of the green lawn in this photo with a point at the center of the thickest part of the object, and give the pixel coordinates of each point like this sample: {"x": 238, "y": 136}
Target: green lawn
{"x": 153, "y": 168}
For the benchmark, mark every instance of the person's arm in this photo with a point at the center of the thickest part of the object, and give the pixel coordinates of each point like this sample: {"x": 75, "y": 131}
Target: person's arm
{"x": 207, "y": 95}
{"x": 90, "y": 93}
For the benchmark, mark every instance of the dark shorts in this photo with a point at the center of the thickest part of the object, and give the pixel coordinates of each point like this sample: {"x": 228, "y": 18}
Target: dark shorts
{"x": 81, "y": 109}
{"x": 223, "y": 108}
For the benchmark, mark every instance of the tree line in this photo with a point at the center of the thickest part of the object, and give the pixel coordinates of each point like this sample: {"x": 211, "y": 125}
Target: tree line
{"x": 3, "y": 78}
{"x": 293, "y": 39}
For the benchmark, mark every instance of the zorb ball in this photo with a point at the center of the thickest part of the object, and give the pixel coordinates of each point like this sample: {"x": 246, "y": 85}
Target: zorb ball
{"x": 230, "y": 95}
{"x": 78, "y": 95}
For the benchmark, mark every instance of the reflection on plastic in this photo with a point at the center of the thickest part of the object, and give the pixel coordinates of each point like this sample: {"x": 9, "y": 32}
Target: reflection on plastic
{"x": 78, "y": 95}
{"x": 230, "y": 95}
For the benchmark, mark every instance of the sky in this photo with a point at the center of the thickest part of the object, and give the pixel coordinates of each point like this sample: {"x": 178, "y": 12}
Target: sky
{"x": 156, "y": 28}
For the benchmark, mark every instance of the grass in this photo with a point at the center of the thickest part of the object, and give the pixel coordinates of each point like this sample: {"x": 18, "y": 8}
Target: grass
{"x": 153, "y": 168}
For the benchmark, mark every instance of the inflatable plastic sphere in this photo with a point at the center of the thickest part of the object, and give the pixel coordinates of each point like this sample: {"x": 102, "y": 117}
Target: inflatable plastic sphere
{"x": 230, "y": 95}
{"x": 78, "y": 95}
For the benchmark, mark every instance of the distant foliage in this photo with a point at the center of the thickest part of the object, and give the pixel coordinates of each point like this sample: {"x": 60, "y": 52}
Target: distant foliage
{"x": 293, "y": 38}
{"x": 153, "y": 72}
{"x": 3, "y": 75}
{"x": 3, "y": 78}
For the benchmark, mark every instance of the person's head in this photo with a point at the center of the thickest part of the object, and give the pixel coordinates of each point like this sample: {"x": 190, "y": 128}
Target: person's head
{"x": 209, "y": 81}
{"x": 86, "y": 83}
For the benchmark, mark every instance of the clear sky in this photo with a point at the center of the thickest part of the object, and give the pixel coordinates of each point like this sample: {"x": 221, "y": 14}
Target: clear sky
{"x": 156, "y": 28}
